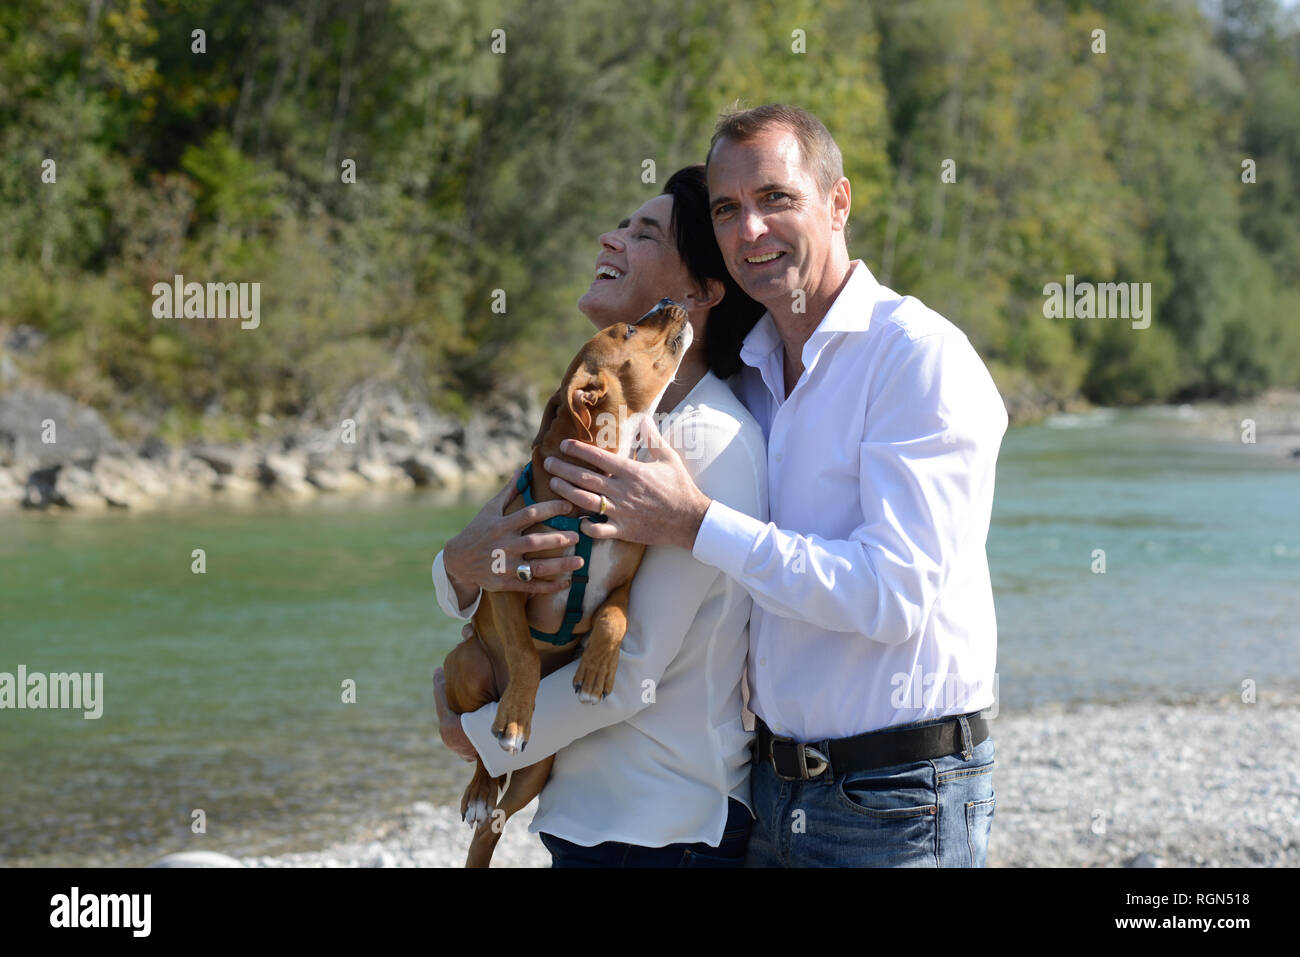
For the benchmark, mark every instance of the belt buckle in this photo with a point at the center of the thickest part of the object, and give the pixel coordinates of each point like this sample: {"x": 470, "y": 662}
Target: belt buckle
{"x": 802, "y": 753}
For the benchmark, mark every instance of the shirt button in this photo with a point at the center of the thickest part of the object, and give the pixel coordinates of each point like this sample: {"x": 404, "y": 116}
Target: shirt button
{"x": 762, "y": 662}
{"x": 779, "y": 456}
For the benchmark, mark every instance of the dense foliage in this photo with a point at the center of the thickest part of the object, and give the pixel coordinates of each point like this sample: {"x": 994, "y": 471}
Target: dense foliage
{"x": 479, "y": 170}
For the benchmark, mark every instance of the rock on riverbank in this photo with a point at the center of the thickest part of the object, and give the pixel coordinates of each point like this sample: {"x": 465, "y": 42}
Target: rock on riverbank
{"x": 58, "y": 455}
{"x": 1270, "y": 421}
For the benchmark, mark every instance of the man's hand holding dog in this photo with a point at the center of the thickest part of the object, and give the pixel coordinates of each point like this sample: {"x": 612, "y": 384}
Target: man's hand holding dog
{"x": 654, "y": 503}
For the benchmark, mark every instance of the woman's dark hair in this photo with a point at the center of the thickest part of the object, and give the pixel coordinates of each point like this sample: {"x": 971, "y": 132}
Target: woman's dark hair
{"x": 730, "y": 320}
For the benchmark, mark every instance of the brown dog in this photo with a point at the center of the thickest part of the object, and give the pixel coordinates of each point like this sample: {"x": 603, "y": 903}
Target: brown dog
{"x": 616, "y": 379}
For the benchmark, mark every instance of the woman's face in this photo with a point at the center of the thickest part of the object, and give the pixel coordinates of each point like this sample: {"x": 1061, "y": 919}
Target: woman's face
{"x": 638, "y": 265}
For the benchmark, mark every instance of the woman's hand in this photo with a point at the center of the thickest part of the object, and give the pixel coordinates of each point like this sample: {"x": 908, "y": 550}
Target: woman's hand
{"x": 453, "y": 735}
{"x": 486, "y": 554}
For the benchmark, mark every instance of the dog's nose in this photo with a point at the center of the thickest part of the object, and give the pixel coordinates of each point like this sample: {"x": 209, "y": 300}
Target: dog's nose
{"x": 658, "y": 309}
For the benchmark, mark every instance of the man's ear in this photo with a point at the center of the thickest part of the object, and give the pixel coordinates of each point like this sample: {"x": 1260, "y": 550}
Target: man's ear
{"x": 585, "y": 394}
{"x": 841, "y": 202}
{"x": 548, "y": 415}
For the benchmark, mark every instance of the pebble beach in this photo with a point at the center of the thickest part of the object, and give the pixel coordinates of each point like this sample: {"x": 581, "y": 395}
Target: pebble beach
{"x": 1206, "y": 784}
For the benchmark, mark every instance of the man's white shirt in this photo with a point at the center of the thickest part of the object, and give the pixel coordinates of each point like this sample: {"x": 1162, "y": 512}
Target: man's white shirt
{"x": 655, "y": 762}
{"x": 873, "y": 605}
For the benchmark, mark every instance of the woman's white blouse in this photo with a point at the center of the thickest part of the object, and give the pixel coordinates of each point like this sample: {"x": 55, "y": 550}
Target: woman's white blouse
{"x": 655, "y": 762}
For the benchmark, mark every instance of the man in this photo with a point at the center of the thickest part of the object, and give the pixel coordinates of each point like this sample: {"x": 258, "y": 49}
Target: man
{"x": 872, "y": 636}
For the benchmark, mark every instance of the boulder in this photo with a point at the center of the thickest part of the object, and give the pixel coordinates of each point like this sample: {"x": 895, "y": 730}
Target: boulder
{"x": 125, "y": 483}
{"x": 221, "y": 461}
{"x": 154, "y": 478}
{"x": 404, "y": 429}
{"x": 78, "y": 431}
{"x": 197, "y": 859}
{"x": 155, "y": 449}
{"x": 25, "y": 340}
{"x": 65, "y": 486}
{"x": 38, "y": 491}
{"x": 11, "y": 490}
{"x": 337, "y": 480}
{"x": 381, "y": 474}
{"x": 235, "y": 487}
{"x": 432, "y": 469}
{"x": 196, "y": 479}
{"x": 284, "y": 473}
{"x": 325, "y": 449}
{"x": 382, "y": 415}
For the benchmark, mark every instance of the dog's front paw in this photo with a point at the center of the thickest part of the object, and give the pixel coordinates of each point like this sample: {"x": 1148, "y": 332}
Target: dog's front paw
{"x": 512, "y": 739}
{"x": 511, "y": 731}
{"x": 594, "y": 680}
{"x": 513, "y": 721}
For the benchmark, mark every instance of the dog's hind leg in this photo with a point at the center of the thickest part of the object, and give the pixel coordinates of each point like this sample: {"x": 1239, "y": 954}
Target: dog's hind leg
{"x": 471, "y": 683}
{"x": 525, "y": 784}
{"x": 480, "y": 798}
{"x": 467, "y": 671}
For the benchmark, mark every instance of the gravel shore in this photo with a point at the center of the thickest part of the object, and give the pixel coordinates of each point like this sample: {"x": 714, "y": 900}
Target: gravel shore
{"x": 1141, "y": 785}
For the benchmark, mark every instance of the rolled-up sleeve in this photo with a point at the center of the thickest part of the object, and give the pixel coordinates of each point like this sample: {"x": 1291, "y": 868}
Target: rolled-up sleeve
{"x": 447, "y": 594}
{"x": 926, "y": 459}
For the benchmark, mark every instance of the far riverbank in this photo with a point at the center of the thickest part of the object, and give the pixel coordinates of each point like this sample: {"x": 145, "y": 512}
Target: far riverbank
{"x": 61, "y": 457}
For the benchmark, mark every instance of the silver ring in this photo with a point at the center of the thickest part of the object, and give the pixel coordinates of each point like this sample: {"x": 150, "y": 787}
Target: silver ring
{"x": 524, "y": 572}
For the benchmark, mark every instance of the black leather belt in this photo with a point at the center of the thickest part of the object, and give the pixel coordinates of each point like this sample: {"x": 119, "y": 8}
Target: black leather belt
{"x": 796, "y": 761}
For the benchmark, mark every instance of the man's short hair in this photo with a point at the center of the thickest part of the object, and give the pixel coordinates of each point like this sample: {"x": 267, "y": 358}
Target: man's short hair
{"x": 821, "y": 155}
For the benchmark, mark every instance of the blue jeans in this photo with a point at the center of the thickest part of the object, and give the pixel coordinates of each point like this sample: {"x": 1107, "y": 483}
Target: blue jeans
{"x": 729, "y": 853}
{"x": 934, "y": 813}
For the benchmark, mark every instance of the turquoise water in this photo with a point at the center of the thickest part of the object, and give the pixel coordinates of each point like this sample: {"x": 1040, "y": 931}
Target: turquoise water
{"x": 1201, "y": 542}
{"x": 223, "y": 691}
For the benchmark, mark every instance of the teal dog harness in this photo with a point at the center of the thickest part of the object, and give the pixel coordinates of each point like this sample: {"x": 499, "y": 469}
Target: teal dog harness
{"x": 578, "y": 589}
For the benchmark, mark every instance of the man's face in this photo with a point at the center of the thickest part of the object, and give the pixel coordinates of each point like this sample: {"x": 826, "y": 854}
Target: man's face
{"x": 638, "y": 265}
{"x": 773, "y": 225}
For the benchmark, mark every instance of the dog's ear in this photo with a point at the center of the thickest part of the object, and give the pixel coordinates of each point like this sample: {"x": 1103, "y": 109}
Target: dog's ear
{"x": 585, "y": 393}
{"x": 548, "y": 415}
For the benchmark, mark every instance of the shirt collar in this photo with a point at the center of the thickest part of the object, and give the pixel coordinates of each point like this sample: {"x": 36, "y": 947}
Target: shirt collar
{"x": 850, "y": 312}
{"x": 761, "y": 340}
{"x": 852, "y": 308}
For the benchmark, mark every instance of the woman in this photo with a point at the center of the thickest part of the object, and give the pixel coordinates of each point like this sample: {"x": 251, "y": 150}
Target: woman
{"x": 657, "y": 774}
